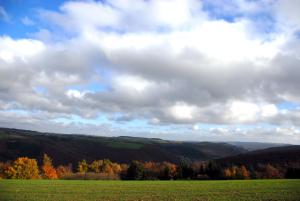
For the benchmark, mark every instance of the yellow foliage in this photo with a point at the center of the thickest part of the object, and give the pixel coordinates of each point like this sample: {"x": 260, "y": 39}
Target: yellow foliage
{"x": 82, "y": 166}
{"x": 24, "y": 168}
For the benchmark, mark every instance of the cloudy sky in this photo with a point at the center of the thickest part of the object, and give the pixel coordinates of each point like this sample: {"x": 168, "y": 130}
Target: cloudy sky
{"x": 181, "y": 70}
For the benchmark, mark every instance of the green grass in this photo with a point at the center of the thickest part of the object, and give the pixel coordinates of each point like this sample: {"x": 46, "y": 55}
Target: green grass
{"x": 59, "y": 190}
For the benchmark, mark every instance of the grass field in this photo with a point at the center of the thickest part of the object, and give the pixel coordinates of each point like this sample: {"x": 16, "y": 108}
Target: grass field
{"x": 59, "y": 190}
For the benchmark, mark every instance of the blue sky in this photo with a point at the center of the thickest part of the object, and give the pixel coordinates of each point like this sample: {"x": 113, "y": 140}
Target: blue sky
{"x": 179, "y": 70}
{"x": 18, "y": 10}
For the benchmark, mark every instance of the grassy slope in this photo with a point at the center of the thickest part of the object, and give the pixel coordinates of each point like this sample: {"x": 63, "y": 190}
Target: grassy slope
{"x": 258, "y": 190}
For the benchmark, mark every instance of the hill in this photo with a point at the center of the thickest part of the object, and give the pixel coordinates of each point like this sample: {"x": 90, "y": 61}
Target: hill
{"x": 287, "y": 156}
{"x": 251, "y": 146}
{"x": 67, "y": 148}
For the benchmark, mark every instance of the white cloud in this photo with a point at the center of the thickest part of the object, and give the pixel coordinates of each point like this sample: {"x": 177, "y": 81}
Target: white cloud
{"x": 269, "y": 110}
{"x": 182, "y": 111}
{"x": 196, "y": 127}
{"x": 248, "y": 112}
{"x": 124, "y": 15}
{"x": 166, "y": 62}
{"x": 288, "y": 131}
{"x": 135, "y": 83}
{"x": 72, "y": 93}
{"x": 244, "y": 111}
{"x": 19, "y": 49}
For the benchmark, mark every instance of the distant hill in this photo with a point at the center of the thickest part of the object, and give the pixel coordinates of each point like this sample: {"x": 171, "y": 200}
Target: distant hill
{"x": 287, "y": 156}
{"x": 251, "y": 146}
{"x": 67, "y": 148}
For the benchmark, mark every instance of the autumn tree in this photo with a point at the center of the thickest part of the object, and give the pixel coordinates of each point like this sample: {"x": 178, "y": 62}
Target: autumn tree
{"x": 228, "y": 173}
{"x": 11, "y": 173}
{"x": 168, "y": 171}
{"x": 123, "y": 172}
{"x": 25, "y": 168}
{"x": 151, "y": 170}
{"x": 63, "y": 171}
{"x": 82, "y": 166}
{"x": 242, "y": 173}
{"x": 7, "y": 171}
{"x": 107, "y": 167}
{"x": 95, "y": 166}
{"x": 271, "y": 172}
{"x": 49, "y": 172}
{"x": 116, "y": 168}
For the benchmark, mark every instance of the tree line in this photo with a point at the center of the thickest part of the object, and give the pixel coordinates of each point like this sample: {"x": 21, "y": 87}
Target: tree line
{"x": 28, "y": 168}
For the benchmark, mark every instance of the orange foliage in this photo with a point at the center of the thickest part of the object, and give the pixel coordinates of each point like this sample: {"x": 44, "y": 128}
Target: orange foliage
{"x": 10, "y": 173}
{"x": 228, "y": 173}
{"x": 236, "y": 173}
{"x": 5, "y": 171}
{"x": 169, "y": 169}
{"x": 49, "y": 171}
{"x": 271, "y": 172}
{"x": 243, "y": 172}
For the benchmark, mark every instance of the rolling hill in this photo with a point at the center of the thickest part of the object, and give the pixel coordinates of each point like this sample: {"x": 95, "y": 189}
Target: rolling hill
{"x": 252, "y": 146}
{"x": 67, "y": 148}
{"x": 286, "y": 156}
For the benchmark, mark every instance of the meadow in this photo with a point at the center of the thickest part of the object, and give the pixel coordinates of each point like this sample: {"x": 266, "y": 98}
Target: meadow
{"x": 80, "y": 190}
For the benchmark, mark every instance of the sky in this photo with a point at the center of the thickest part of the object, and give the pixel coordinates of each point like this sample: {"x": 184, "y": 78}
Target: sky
{"x": 180, "y": 70}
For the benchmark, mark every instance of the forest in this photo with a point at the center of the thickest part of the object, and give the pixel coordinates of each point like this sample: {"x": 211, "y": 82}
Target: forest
{"x": 28, "y": 168}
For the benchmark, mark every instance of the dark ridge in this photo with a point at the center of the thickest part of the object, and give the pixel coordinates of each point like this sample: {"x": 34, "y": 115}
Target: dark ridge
{"x": 286, "y": 156}
{"x": 71, "y": 148}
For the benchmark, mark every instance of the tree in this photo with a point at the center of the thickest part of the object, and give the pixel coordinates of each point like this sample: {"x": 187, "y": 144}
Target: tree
{"x": 242, "y": 173}
{"x": 116, "y": 168}
{"x": 82, "y": 166}
{"x": 95, "y": 166}
{"x": 271, "y": 172}
{"x": 228, "y": 174}
{"x": 63, "y": 171}
{"x": 213, "y": 170}
{"x": 6, "y": 171}
{"x": 49, "y": 172}
{"x": 292, "y": 173}
{"x": 123, "y": 172}
{"x": 151, "y": 170}
{"x": 10, "y": 173}
{"x": 135, "y": 171}
{"x": 185, "y": 170}
{"x": 107, "y": 166}
{"x": 25, "y": 168}
{"x": 168, "y": 171}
